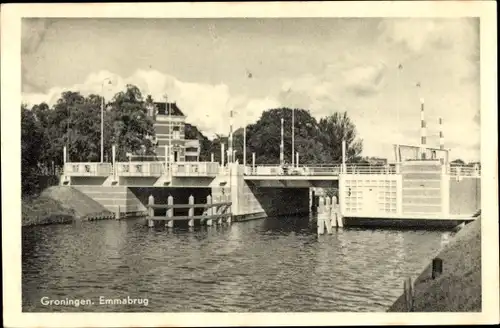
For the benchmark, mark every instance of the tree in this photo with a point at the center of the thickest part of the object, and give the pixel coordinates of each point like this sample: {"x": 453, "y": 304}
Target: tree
{"x": 458, "y": 161}
{"x": 264, "y": 137}
{"x": 132, "y": 128}
{"x": 334, "y": 129}
{"x": 31, "y": 152}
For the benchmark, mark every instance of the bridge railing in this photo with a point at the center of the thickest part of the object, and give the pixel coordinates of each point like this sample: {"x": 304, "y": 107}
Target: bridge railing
{"x": 467, "y": 171}
{"x": 195, "y": 169}
{"x": 370, "y": 169}
{"x": 88, "y": 169}
{"x": 139, "y": 169}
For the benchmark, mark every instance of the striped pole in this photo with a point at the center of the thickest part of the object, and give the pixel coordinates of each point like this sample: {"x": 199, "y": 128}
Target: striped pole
{"x": 423, "y": 129}
{"x": 441, "y": 136}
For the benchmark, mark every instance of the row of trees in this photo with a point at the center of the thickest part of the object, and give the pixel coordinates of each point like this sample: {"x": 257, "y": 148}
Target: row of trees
{"x": 74, "y": 121}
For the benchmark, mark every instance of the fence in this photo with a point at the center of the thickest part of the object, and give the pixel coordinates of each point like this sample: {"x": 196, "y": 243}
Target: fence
{"x": 214, "y": 212}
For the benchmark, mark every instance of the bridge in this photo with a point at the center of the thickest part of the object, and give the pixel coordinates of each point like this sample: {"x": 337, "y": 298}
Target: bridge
{"x": 251, "y": 172}
{"x": 410, "y": 190}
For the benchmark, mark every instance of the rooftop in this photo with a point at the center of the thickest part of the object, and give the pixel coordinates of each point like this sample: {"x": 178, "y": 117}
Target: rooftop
{"x": 163, "y": 110}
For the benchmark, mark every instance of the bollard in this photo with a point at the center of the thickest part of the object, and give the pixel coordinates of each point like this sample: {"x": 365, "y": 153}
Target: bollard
{"x": 170, "y": 212}
{"x": 437, "y": 267}
{"x": 408, "y": 292}
{"x": 321, "y": 212}
{"x": 191, "y": 211}
{"x": 210, "y": 210}
{"x": 327, "y": 217}
{"x": 151, "y": 201}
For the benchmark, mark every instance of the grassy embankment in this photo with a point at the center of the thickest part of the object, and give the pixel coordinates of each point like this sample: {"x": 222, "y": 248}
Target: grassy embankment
{"x": 458, "y": 288}
{"x": 61, "y": 204}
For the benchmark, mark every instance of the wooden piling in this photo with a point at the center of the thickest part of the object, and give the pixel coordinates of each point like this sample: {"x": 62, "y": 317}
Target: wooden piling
{"x": 151, "y": 214}
{"x": 437, "y": 267}
{"x": 170, "y": 212}
{"x": 408, "y": 294}
{"x": 191, "y": 211}
{"x": 328, "y": 210}
{"x": 321, "y": 211}
{"x": 210, "y": 210}
{"x": 117, "y": 213}
{"x": 333, "y": 212}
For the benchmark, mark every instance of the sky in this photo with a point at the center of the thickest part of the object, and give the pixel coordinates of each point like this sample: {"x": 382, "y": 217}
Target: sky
{"x": 210, "y": 66}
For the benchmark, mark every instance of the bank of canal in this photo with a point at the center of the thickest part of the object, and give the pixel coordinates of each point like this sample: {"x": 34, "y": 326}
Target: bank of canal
{"x": 274, "y": 264}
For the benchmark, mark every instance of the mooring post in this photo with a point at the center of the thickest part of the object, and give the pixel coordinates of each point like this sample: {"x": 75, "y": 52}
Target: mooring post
{"x": 209, "y": 210}
{"x": 333, "y": 214}
{"x": 408, "y": 292}
{"x": 117, "y": 214}
{"x": 437, "y": 267}
{"x": 321, "y": 210}
{"x": 191, "y": 211}
{"x": 328, "y": 215}
{"x": 170, "y": 211}
{"x": 151, "y": 202}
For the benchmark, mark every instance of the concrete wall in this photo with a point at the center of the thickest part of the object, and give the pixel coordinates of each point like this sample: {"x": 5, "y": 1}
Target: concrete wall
{"x": 465, "y": 195}
{"x": 251, "y": 201}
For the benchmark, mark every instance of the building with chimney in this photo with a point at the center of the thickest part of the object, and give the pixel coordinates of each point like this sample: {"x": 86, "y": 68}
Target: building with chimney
{"x": 169, "y": 125}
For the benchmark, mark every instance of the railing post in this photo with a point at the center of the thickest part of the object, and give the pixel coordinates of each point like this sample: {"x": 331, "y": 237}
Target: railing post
{"x": 222, "y": 154}
{"x": 64, "y": 155}
{"x": 151, "y": 201}
{"x": 253, "y": 164}
{"x": 113, "y": 150}
{"x": 170, "y": 211}
{"x": 191, "y": 211}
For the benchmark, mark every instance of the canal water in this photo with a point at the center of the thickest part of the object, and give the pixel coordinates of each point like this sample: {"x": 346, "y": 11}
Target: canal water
{"x": 271, "y": 265}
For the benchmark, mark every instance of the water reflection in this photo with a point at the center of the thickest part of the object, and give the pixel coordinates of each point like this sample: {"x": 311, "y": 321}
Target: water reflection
{"x": 276, "y": 264}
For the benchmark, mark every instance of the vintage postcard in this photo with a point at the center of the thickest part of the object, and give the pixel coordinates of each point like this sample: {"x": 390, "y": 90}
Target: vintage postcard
{"x": 246, "y": 164}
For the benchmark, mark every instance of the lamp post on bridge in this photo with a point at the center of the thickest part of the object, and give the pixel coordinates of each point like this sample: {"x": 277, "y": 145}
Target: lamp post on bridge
{"x": 282, "y": 155}
{"x": 102, "y": 117}
{"x": 293, "y": 136}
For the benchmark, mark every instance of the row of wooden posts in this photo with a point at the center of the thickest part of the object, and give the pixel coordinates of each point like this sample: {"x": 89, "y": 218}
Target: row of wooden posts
{"x": 217, "y": 210}
{"x": 329, "y": 216}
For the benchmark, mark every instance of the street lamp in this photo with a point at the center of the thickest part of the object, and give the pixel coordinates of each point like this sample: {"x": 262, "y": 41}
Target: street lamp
{"x": 293, "y": 135}
{"x": 282, "y": 144}
{"x": 102, "y": 116}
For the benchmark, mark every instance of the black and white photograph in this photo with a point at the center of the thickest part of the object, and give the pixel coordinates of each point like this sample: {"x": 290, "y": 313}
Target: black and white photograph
{"x": 309, "y": 158}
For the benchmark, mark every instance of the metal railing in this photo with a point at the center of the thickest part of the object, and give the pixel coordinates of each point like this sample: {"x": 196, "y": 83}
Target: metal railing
{"x": 88, "y": 169}
{"x": 320, "y": 170}
{"x": 148, "y": 169}
{"x": 464, "y": 171}
{"x": 371, "y": 169}
{"x": 195, "y": 169}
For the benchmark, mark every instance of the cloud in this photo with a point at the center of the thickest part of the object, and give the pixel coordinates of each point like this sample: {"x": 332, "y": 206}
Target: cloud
{"x": 364, "y": 80}
{"x": 207, "y": 106}
{"x": 33, "y": 31}
{"x": 418, "y": 34}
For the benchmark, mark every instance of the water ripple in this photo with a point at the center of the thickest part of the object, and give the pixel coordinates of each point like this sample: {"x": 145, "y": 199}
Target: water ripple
{"x": 271, "y": 265}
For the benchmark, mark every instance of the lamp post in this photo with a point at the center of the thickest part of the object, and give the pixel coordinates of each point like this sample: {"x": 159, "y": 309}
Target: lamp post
{"x": 281, "y": 144}
{"x": 102, "y": 117}
{"x": 245, "y": 145}
{"x": 293, "y": 135}
{"x": 230, "y": 159}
